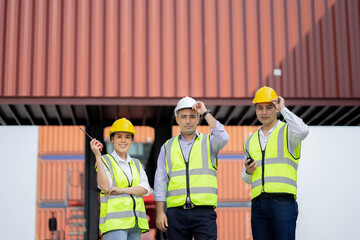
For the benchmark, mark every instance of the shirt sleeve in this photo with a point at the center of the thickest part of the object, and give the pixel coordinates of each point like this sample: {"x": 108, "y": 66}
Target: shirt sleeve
{"x": 107, "y": 171}
{"x": 297, "y": 129}
{"x": 218, "y": 139}
{"x": 144, "y": 182}
{"x": 245, "y": 177}
{"x": 161, "y": 178}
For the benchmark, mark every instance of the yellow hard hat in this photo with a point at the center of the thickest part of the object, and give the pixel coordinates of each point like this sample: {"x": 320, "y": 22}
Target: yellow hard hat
{"x": 122, "y": 125}
{"x": 265, "y": 94}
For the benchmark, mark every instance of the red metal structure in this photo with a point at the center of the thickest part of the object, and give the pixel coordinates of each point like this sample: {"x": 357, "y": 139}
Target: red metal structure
{"x": 168, "y": 49}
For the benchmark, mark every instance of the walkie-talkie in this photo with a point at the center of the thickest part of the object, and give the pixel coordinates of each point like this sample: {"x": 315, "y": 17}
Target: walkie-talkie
{"x": 251, "y": 160}
{"x": 90, "y": 137}
{"x": 87, "y": 134}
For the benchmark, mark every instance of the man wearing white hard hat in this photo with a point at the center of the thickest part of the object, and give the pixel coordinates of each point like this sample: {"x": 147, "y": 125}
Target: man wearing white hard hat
{"x": 186, "y": 178}
{"x": 273, "y": 154}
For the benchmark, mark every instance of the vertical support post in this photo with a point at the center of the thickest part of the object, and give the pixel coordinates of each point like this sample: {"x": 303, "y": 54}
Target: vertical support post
{"x": 162, "y": 133}
{"x": 91, "y": 190}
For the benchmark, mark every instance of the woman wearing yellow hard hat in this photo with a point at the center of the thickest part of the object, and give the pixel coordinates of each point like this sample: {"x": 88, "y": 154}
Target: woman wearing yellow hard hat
{"x": 122, "y": 181}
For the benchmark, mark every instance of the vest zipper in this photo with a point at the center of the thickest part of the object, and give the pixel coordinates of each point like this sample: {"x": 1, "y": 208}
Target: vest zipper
{"x": 263, "y": 170}
{"x": 132, "y": 197}
{"x": 129, "y": 184}
{"x": 188, "y": 199}
{"x": 262, "y": 164}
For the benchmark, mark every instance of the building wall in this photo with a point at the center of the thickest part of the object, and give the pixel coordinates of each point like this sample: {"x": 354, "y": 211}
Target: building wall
{"x": 328, "y": 197}
{"x": 18, "y": 147}
{"x": 167, "y": 48}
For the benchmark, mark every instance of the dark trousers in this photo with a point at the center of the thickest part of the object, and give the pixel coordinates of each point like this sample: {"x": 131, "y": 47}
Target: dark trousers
{"x": 274, "y": 218}
{"x": 199, "y": 222}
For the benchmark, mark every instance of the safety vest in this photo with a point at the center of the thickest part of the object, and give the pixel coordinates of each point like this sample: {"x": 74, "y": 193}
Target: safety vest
{"x": 121, "y": 211}
{"x": 195, "y": 179}
{"x": 276, "y": 167}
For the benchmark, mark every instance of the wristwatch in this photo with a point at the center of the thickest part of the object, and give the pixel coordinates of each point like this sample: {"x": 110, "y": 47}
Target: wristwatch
{"x": 206, "y": 112}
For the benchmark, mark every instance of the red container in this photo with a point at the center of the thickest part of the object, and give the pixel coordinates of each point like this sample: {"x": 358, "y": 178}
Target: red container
{"x": 167, "y": 49}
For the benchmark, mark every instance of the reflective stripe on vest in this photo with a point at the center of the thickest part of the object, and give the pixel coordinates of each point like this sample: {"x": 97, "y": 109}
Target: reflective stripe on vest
{"x": 280, "y": 167}
{"x": 120, "y": 211}
{"x": 202, "y": 175}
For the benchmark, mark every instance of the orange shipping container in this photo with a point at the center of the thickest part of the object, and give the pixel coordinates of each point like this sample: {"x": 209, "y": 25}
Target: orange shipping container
{"x": 231, "y": 187}
{"x": 54, "y": 140}
{"x": 237, "y": 137}
{"x": 42, "y": 223}
{"x": 234, "y": 223}
{"x": 52, "y": 180}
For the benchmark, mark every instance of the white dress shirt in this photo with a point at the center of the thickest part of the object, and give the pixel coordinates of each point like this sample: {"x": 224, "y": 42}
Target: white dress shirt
{"x": 297, "y": 131}
{"x": 124, "y": 165}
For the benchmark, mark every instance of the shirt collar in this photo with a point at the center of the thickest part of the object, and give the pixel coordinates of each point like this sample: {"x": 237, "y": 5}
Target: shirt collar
{"x": 270, "y": 131}
{"x": 119, "y": 159}
{"x": 197, "y": 134}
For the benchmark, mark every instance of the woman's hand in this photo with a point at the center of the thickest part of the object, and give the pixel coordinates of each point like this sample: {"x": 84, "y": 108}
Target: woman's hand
{"x": 96, "y": 147}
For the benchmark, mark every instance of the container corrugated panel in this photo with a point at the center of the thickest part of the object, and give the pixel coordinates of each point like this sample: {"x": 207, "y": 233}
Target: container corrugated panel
{"x": 42, "y": 222}
{"x": 237, "y": 137}
{"x": 234, "y": 223}
{"x": 52, "y": 179}
{"x": 55, "y": 140}
{"x": 144, "y": 134}
{"x": 163, "y": 48}
{"x": 201, "y": 129}
{"x": 231, "y": 187}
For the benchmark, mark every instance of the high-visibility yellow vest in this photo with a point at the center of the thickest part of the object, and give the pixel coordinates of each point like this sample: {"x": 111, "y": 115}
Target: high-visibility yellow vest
{"x": 120, "y": 211}
{"x": 196, "y": 179}
{"x": 277, "y": 167}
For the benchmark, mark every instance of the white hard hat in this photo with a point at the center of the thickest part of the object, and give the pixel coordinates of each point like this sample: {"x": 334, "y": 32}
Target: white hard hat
{"x": 186, "y": 102}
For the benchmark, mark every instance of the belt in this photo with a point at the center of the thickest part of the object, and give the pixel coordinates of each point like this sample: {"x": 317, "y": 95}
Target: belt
{"x": 265, "y": 195}
{"x": 188, "y": 205}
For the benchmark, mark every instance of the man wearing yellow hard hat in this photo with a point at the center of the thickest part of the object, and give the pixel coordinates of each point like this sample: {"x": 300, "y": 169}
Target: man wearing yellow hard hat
{"x": 273, "y": 154}
{"x": 122, "y": 181}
